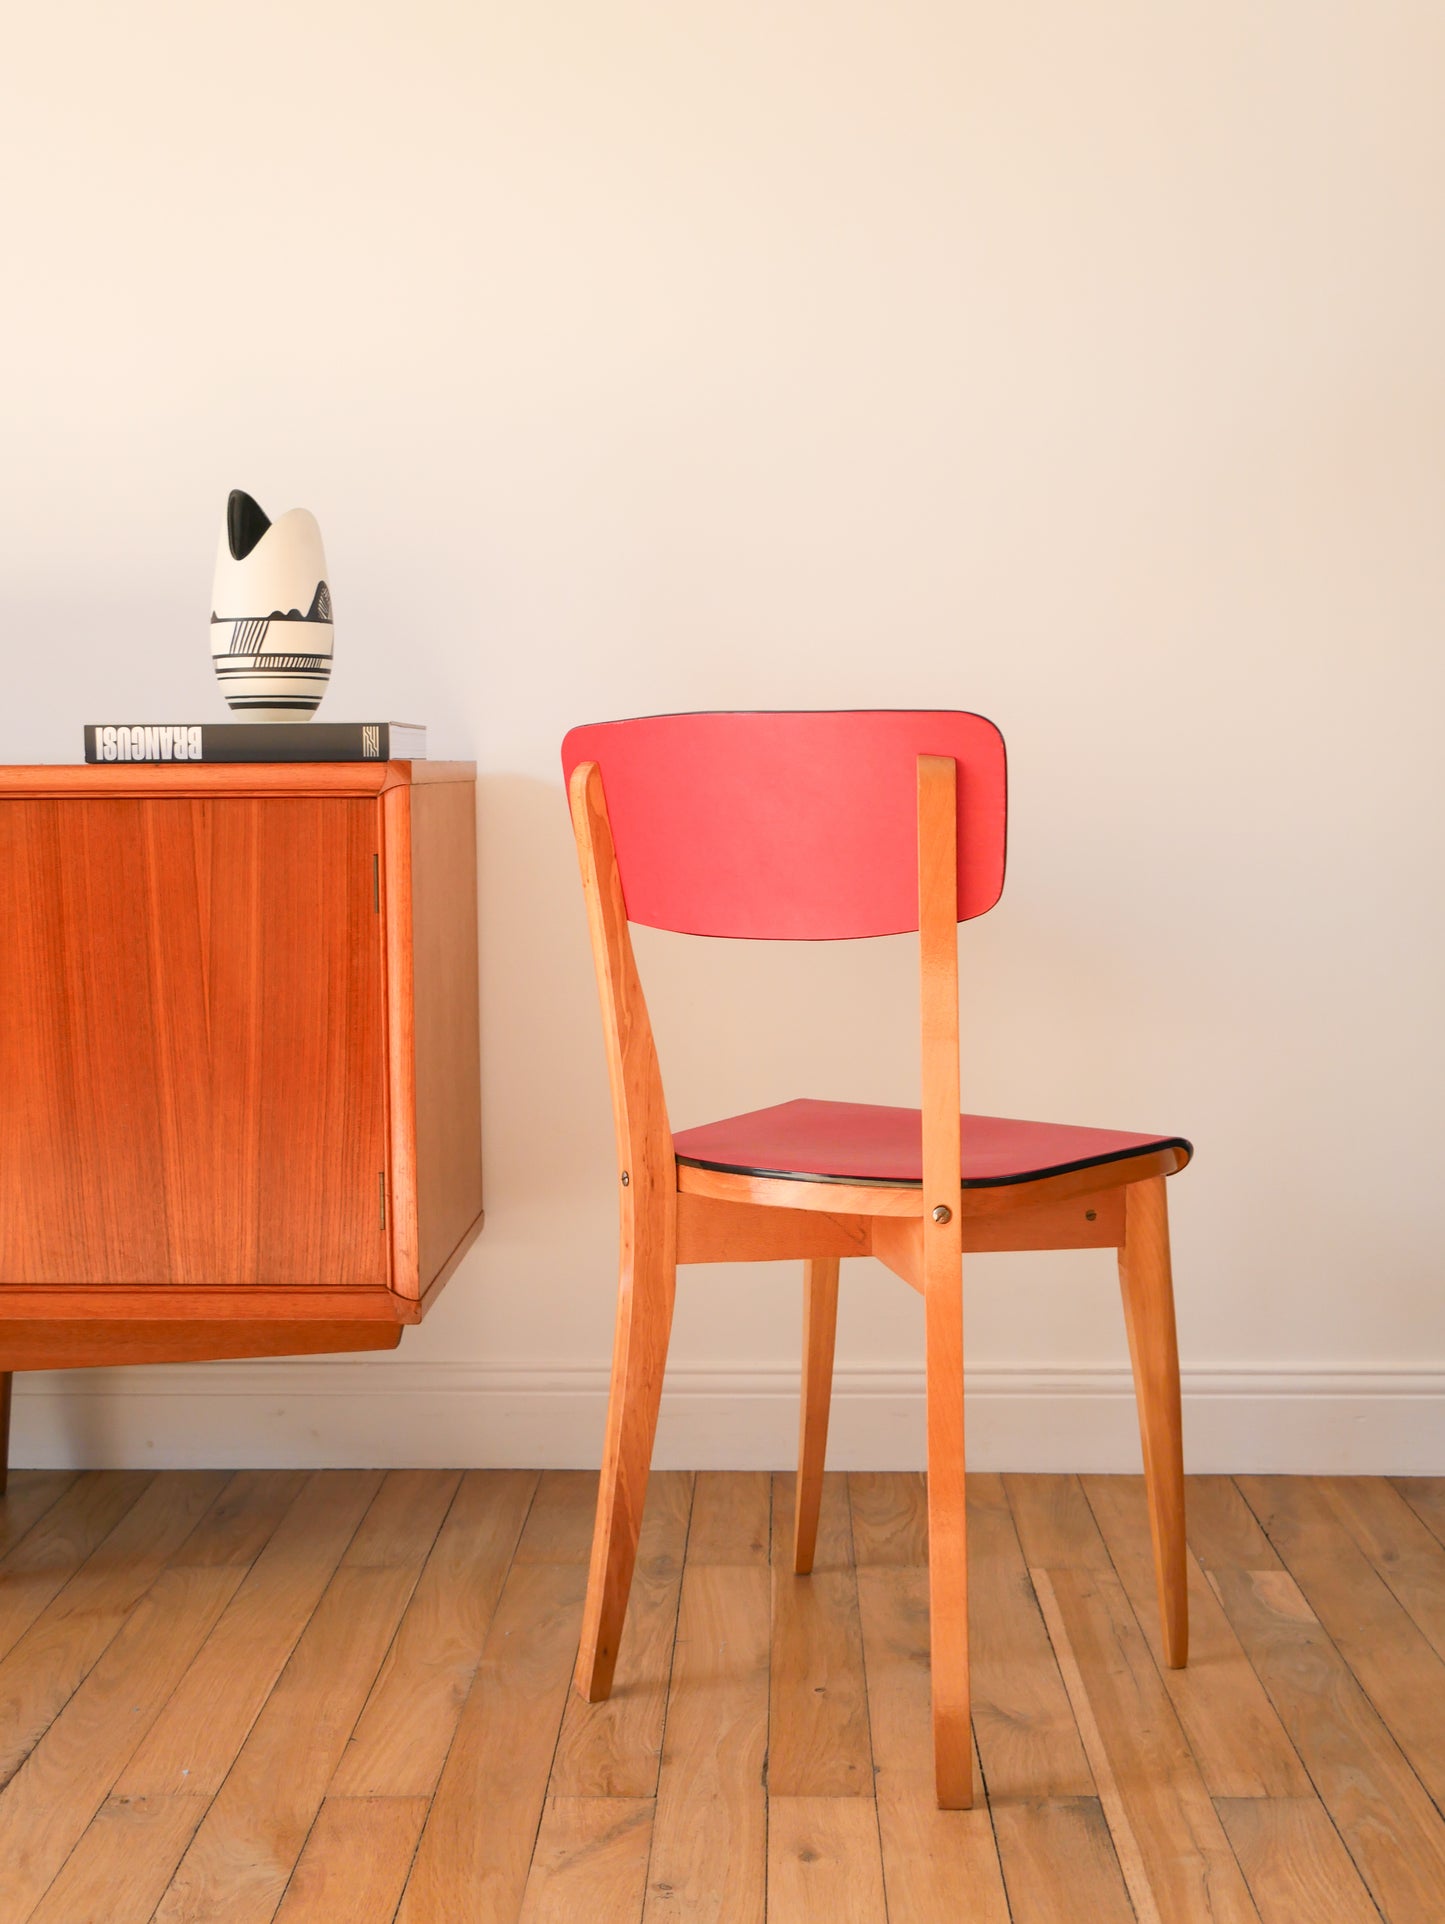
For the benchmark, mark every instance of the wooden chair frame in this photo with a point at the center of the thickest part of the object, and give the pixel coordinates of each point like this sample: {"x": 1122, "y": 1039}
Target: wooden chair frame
{"x": 675, "y": 1213}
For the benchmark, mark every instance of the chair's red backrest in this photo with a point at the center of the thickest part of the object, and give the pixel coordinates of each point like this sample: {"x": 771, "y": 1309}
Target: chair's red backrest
{"x": 791, "y": 826}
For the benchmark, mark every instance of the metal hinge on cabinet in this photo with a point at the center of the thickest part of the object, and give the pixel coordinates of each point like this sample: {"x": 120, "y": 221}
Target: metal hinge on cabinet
{"x": 381, "y": 1191}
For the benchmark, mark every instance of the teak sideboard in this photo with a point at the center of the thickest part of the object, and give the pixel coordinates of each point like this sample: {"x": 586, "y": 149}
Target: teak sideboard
{"x": 240, "y": 1109}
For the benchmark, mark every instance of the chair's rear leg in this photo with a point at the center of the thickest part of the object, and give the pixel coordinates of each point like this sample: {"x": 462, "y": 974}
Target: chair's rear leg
{"x": 639, "y": 1357}
{"x": 947, "y": 1540}
{"x": 1148, "y": 1291}
{"x": 820, "y": 1326}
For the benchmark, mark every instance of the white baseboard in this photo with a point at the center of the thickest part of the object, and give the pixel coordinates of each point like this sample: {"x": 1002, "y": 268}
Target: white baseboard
{"x": 353, "y": 1411}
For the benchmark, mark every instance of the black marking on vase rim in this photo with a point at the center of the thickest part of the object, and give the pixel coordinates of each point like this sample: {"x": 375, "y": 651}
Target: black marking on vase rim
{"x": 246, "y": 522}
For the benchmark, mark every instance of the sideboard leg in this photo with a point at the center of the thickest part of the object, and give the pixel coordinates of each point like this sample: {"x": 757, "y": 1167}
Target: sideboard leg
{"x": 5, "y": 1382}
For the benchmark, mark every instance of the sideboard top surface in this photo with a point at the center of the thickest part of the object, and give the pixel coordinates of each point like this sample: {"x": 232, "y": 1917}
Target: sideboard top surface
{"x": 149, "y": 779}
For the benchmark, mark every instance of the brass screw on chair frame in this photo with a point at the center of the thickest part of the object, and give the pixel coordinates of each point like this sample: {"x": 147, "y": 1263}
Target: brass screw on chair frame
{"x": 943, "y": 1214}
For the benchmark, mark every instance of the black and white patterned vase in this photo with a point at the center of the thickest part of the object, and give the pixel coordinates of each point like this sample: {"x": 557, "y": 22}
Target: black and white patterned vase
{"x": 271, "y": 613}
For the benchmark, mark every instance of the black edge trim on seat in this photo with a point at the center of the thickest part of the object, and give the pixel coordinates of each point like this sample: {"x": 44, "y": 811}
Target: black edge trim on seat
{"x": 903, "y": 1182}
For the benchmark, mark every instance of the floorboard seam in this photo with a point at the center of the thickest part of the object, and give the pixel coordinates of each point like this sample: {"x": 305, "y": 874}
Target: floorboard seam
{"x": 1126, "y": 1844}
{"x": 667, "y": 1693}
{"x": 1349, "y": 1671}
{"x": 867, "y": 1704}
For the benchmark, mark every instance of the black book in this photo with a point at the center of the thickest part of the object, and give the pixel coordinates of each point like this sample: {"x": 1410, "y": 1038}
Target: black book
{"x": 310, "y": 741}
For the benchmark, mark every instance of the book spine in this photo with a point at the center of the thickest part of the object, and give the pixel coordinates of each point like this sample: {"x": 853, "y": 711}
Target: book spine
{"x": 238, "y": 742}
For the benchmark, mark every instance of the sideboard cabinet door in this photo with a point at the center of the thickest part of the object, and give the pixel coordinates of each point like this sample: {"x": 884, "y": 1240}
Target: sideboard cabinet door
{"x": 192, "y": 1042}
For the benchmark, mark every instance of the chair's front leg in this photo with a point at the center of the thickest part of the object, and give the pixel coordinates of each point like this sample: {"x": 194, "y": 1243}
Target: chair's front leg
{"x": 1148, "y": 1290}
{"x": 820, "y": 1327}
{"x": 639, "y": 1357}
{"x": 947, "y": 1533}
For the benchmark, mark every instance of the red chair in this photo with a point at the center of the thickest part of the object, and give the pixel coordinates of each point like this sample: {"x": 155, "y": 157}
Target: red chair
{"x": 817, "y": 827}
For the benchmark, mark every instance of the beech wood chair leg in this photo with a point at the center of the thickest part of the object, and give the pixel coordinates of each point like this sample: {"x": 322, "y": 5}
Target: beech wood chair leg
{"x": 6, "y": 1384}
{"x": 947, "y": 1543}
{"x": 1148, "y": 1291}
{"x": 639, "y": 1357}
{"x": 820, "y": 1326}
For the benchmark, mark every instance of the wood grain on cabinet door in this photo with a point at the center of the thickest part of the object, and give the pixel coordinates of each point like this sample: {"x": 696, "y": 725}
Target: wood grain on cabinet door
{"x": 191, "y": 1042}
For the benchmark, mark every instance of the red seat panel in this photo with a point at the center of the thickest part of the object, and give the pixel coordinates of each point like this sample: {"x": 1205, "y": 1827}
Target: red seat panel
{"x": 866, "y": 1143}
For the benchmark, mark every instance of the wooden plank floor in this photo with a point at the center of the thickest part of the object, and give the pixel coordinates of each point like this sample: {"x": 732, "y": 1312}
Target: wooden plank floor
{"x": 343, "y": 1698}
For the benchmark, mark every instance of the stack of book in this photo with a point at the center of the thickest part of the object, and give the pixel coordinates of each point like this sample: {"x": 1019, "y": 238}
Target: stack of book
{"x": 254, "y": 742}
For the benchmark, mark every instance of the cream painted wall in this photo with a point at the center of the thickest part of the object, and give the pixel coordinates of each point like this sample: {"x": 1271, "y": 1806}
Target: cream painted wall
{"x": 1081, "y": 365}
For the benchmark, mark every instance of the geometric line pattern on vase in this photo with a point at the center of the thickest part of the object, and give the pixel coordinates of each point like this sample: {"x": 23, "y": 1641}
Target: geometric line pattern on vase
{"x": 273, "y": 664}
{"x": 318, "y": 614}
{"x": 308, "y": 705}
{"x": 248, "y": 635}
